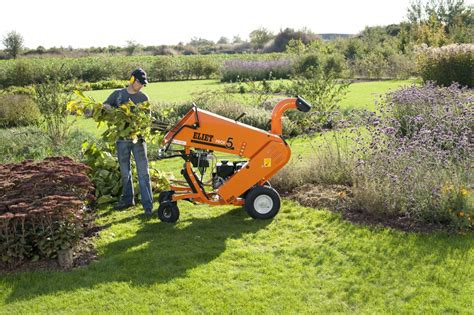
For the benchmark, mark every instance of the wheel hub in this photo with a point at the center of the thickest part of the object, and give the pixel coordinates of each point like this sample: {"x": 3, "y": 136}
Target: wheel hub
{"x": 167, "y": 213}
{"x": 263, "y": 204}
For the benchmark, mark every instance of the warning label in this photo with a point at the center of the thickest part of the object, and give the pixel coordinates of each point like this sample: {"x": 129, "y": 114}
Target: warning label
{"x": 267, "y": 162}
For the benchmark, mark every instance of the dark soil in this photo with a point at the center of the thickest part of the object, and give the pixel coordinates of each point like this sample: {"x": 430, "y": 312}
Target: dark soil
{"x": 338, "y": 198}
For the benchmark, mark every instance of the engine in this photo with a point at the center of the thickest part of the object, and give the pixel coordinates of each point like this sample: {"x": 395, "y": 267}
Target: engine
{"x": 224, "y": 170}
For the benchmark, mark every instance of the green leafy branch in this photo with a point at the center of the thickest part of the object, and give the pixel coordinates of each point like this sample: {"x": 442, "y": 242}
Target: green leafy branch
{"x": 128, "y": 121}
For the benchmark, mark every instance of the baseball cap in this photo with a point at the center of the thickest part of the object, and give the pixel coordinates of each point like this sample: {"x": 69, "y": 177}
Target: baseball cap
{"x": 140, "y": 75}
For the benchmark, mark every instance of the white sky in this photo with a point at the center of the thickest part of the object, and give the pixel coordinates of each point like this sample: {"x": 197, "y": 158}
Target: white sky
{"x": 87, "y": 23}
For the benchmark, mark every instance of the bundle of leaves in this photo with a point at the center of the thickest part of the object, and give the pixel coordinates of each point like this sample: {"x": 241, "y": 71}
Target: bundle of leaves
{"x": 43, "y": 208}
{"x": 128, "y": 121}
{"x": 105, "y": 171}
{"x": 419, "y": 160}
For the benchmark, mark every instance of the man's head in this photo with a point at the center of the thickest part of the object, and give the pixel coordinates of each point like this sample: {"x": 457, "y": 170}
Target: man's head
{"x": 138, "y": 79}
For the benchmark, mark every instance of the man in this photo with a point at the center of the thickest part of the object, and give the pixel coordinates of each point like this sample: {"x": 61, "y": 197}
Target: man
{"x": 125, "y": 147}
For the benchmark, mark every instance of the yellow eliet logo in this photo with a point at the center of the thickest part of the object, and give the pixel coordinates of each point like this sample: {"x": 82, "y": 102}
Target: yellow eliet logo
{"x": 132, "y": 79}
{"x": 267, "y": 162}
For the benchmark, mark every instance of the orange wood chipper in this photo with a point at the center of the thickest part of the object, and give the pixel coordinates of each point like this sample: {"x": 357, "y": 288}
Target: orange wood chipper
{"x": 243, "y": 182}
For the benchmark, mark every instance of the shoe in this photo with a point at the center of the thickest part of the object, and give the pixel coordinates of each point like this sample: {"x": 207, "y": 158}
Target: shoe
{"x": 123, "y": 206}
{"x": 146, "y": 216}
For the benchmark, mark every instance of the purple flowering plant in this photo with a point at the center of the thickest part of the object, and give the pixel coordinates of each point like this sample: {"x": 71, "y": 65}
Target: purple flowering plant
{"x": 418, "y": 161}
{"x": 237, "y": 70}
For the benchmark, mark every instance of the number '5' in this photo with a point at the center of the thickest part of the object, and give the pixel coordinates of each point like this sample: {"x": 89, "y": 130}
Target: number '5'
{"x": 229, "y": 143}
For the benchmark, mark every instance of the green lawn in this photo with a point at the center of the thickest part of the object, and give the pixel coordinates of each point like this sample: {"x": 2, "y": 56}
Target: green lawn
{"x": 87, "y": 124}
{"x": 360, "y": 95}
{"x": 218, "y": 260}
{"x": 178, "y": 91}
{"x": 363, "y": 95}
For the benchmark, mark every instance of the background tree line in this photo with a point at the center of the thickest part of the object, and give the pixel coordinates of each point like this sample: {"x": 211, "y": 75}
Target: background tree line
{"x": 432, "y": 22}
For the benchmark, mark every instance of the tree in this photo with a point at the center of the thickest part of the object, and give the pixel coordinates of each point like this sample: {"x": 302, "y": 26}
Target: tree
{"x": 452, "y": 17}
{"x": 431, "y": 33}
{"x": 223, "y": 40}
{"x": 237, "y": 40}
{"x": 13, "y": 43}
{"x": 40, "y": 50}
{"x": 443, "y": 11}
{"x": 113, "y": 49}
{"x": 132, "y": 47}
{"x": 200, "y": 42}
{"x": 282, "y": 39}
{"x": 353, "y": 50}
{"x": 462, "y": 31}
{"x": 259, "y": 37}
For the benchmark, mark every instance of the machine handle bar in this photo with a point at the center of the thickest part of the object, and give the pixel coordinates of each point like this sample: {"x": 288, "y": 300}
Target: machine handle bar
{"x": 197, "y": 116}
{"x": 240, "y": 116}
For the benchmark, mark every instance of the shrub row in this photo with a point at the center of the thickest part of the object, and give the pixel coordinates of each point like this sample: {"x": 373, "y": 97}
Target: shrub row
{"x": 228, "y": 68}
{"x": 69, "y": 87}
{"x": 371, "y": 66}
{"x": 447, "y": 64}
{"x": 23, "y": 72}
{"x": 240, "y": 70}
{"x": 101, "y": 73}
{"x": 42, "y": 208}
{"x": 377, "y": 66}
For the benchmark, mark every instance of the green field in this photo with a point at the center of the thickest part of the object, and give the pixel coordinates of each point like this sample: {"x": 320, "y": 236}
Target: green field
{"x": 360, "y": 95}
{"x": 218, "y": 260}
{"x": 363, "y": 95}
{"x": 178, "y": 91}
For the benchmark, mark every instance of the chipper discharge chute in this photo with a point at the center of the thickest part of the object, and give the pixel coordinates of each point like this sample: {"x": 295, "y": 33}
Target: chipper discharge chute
{"x": 258, "y": 155}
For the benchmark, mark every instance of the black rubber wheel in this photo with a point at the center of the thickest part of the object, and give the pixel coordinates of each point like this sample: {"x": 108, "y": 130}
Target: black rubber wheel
{"x": 165, "y": 195}
{"x": 262, "y": 202}
{"x": 168, "y": 212}
{"x": 244, "y": 195}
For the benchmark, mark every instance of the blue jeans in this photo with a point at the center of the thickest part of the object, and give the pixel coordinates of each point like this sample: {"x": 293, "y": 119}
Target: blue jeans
{"x": 124, "y": 150}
